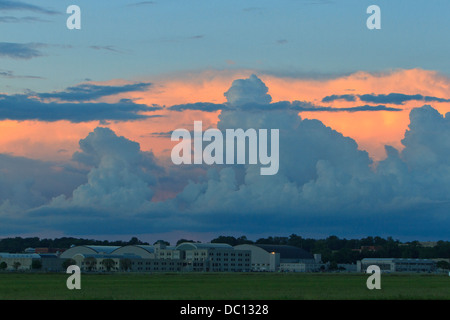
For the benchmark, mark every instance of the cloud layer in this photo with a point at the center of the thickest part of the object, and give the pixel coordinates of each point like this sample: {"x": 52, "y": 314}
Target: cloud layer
{"x": 391, "y": 98}
{"x": 23, "y": 51}
{"x": 88, "y": 91}
{"x": 74, "y": 108}
{"x": 6, "y": 5}
{"x": 325, "y": 183}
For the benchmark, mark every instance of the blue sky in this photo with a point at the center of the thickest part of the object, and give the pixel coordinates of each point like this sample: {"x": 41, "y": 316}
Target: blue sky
{"x": 128, "y": 40}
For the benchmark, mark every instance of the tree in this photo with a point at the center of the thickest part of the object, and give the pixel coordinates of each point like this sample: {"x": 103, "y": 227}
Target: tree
{"x": 108, "y": 264}
{"x": 90, "y": 263}
{"x": 3, "y": 265}
{"x": 333, "y": 265}
{"x": 232, "y": 241}
{"x": 443, "y": 265}
{"x": 162, "y": 242}
{"x": 185, "y": 240}
{"x": 16, "y": 265}
{"x": 125, "y": 264}
{"x": 135, "y": 241}
{"x": 68, "y": 262}
{"x": 36, "y": 264}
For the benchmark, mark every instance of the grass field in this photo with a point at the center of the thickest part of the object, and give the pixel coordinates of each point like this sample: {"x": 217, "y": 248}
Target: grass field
{"x": 223, "y": 286}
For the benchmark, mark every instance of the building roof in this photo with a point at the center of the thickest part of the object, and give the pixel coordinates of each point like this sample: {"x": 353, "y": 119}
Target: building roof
{"x": 395, "y": 260}
{"x": 194, "y": 246}
{"x": 103, "y": 249}
{"x": 48, "y": 255}
{"x": 107, "y": 256}
{"x": 147, "y": 248}
{"x": 286, "y": 252}
{"x": 19, "y": 255}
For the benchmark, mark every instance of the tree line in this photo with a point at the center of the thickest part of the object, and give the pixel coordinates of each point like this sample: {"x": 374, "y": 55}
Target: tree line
{"x": 333, "y": 249}
{"x": 18, "y": 244}
{"x": 337, "y": 250}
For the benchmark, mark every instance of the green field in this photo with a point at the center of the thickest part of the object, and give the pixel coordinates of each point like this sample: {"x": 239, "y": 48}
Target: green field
{"x": 223, "y": 286}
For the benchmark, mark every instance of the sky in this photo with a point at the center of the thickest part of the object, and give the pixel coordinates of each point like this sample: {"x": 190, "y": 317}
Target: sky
{"x": 86, "y": 118}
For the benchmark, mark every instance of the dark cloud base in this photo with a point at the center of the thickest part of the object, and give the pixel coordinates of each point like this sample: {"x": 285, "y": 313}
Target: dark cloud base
{"x": 76, "y": 106}
{"x": 88, "y": 221}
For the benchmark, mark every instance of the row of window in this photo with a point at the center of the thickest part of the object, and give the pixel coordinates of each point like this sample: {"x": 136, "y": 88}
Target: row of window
{"x": 225, "y": 254}
{"x": 147, "y": 263}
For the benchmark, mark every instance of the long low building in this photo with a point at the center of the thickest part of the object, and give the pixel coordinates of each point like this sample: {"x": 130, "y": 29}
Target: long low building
{"x": 18, "y": 261}
{"x": 200, "y": 257}
{"x": 265, "y": 257}
{"x": 397, "y": 265}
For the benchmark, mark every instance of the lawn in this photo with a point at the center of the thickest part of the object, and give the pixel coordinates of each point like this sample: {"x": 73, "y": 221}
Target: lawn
{"x": 223, "y": 286}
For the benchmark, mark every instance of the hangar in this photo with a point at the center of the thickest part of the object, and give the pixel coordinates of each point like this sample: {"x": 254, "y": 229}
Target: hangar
{"x": 266, "y": 257}
{"x": 69, "y": 253}
{"x": 187, "y": 256}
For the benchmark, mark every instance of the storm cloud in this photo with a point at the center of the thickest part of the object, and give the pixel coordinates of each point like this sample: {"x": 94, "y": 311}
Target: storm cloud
{"x": 325, "y": 183}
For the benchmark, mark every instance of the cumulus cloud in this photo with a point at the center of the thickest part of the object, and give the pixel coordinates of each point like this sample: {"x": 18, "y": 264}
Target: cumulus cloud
{"x": 252, "y": 94}
{"x": 120, "y": 176}
{"x": 247, "y": 91}
{"x": 325, "y": 183}
{"x": 324, "y": 179}
{"x": 27, "y": 183}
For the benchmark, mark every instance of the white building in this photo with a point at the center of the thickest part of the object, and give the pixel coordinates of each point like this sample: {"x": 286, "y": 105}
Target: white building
{"x": 281, "y": 258}
{"x": 215, "y": 257}
{"x": 18, "y": 261}
{"x": 206, "y": 257}
{"x": 397, "y": 265}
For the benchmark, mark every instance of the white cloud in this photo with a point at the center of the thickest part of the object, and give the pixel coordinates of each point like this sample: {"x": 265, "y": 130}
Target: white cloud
{"x": 246, "y": 91}
{"x": 324, "y": 181}
{"x": 121, "y": 175}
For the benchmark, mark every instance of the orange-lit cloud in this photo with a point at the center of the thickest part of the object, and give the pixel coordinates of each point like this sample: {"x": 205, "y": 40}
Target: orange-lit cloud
{"x": 371, "y": 130}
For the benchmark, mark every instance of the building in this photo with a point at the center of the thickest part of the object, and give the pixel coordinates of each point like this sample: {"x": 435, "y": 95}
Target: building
{"x": 281, "y": 258}
{"x": 69, "y": 253}
{"x": 50, "y": 262}
{"x": 397, "y": 265}
{"x": 215, "y": 257}
{"x": 204, "y": 257}
{"x": 18, "y": 261}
